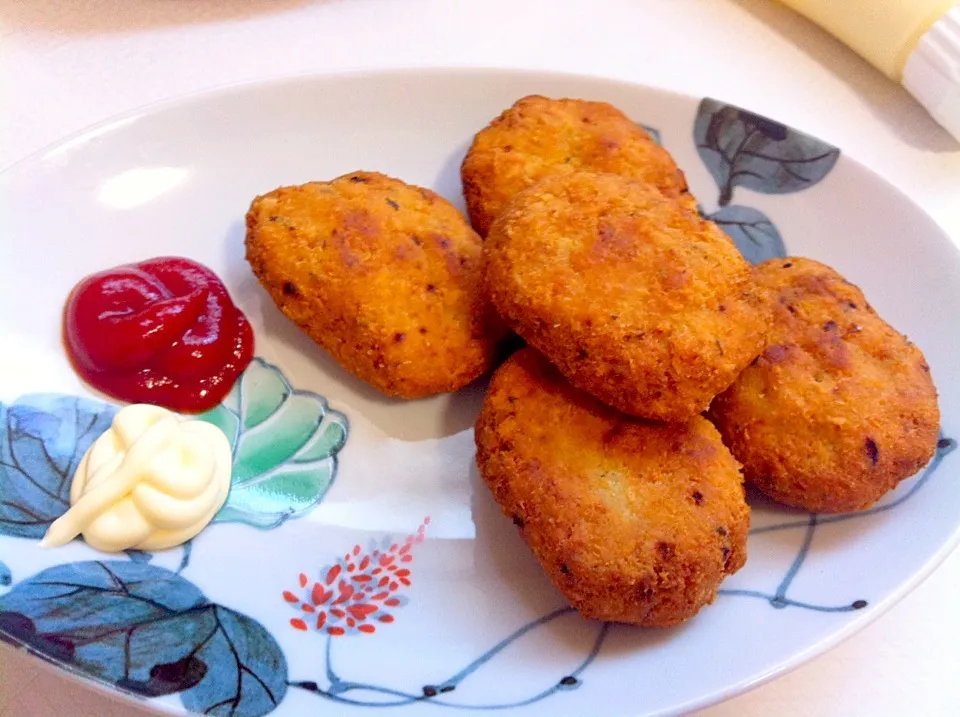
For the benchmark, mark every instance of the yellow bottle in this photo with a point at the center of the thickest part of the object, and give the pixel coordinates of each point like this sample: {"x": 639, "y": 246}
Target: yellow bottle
{"x": 913, "y": 42}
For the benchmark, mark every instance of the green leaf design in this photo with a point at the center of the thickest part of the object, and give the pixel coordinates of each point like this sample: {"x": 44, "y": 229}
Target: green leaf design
{"x": 285, "y": 444}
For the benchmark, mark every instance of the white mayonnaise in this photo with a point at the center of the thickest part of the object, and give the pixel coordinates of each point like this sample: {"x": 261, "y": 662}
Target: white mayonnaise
{"x": 152, "y": 481}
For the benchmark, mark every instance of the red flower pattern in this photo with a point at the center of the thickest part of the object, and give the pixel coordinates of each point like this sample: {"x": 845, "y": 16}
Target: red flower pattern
{"x": 356, "y": 593}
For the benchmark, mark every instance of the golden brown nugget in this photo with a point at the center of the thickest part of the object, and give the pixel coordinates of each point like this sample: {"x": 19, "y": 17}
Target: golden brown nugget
{"x": 635, "y": 298}
{"x": 539, "y": 136}
{"x": 633, "y": 521}
{"x": 839, "y": 408}
{"x": 383, "y": 275}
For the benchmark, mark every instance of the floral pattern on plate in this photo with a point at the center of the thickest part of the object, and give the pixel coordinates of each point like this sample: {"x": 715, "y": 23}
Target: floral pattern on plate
{"x": 285, "y": 445}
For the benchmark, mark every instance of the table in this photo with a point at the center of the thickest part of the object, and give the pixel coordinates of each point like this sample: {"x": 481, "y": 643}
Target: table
{"x": 69, "y": 64}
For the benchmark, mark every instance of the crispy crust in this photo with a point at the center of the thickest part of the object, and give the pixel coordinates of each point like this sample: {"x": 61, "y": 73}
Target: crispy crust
{"x": 839, "y": 408}
{"x": 635, "y": 298}
{"x": 383, "y": 275}
{"x": 633, "y": 521}
{"x": 539, "y": 136}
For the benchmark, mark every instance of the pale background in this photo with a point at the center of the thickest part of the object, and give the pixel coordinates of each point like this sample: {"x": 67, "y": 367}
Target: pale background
{"x": 66, "y": 64}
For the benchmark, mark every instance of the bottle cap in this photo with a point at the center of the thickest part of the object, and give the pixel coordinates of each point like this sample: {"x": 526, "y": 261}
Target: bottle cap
{"x": 932, "y": 72}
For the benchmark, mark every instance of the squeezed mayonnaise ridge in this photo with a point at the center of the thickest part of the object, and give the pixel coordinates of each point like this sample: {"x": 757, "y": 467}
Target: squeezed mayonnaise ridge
{"x": 151, "y": 481}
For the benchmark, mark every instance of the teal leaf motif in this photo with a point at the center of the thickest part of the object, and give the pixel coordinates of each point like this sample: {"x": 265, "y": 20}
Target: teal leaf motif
{"x": 747, "y": 150}
{"x": 285, "y": 444}
{"x": 148, "y": 631}
{"x": 754, "y": 234}
{"x": 42, "y": 439}
{"x": 6, "y": 577}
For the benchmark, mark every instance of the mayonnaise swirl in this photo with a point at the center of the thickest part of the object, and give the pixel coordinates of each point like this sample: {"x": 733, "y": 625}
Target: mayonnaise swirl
{"x": 152, "y": 481}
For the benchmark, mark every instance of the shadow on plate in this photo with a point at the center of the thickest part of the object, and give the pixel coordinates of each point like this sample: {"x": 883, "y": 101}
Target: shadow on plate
{"x": 311, "y": 368}
{"x": 500, "y": 550}
{"x": 447, "y": 183}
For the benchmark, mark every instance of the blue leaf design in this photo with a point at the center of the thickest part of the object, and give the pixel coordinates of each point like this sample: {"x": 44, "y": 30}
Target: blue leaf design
{"x": 744, "y": 149}
{"x": 754, "y": 234}
{"x": 42, "y": 439}
{"x": 149, "y": 631}
{"x": 285, "y": 444}
{"x": 6, "y": 577}
{"x": 248, "y": 672}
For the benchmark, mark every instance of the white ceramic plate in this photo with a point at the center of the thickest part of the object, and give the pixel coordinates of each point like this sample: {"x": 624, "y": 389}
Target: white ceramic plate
{"x": 215, "y": 627}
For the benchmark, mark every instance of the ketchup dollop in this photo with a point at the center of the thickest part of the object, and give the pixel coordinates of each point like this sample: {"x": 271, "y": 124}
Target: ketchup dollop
{"x": 163, "y": 331}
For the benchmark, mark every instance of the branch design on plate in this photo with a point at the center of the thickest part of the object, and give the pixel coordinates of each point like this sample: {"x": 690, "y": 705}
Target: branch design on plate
{"x": 437, "y": 693}
{"x": 353, "y": 595}
{"x": 741, "y": 149}
{"x": 779, "y": 599}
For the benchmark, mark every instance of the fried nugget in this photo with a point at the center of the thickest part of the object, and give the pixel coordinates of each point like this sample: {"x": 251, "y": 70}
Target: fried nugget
{"x": 839, "y": 408}
{"x": 383, "y": 275}
{"x": 539, "y": 136}
{"x": 635, "y": 298}
{"x": 633, "y": 521}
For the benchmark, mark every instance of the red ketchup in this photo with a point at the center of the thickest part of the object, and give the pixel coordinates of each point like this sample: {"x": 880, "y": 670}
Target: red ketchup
{"x": 163, "y": 331}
